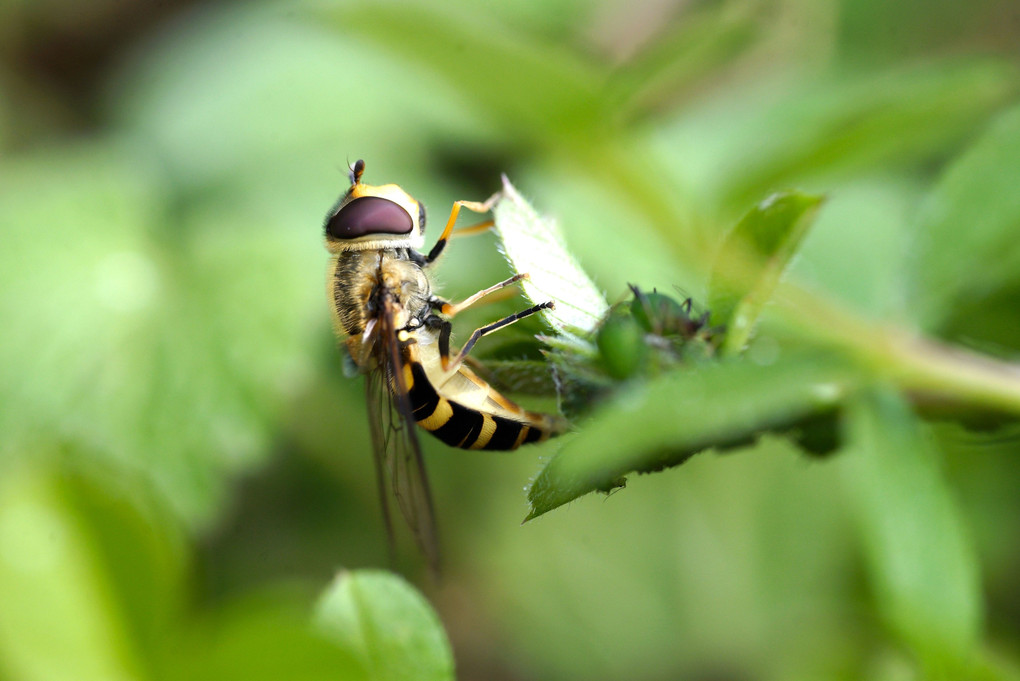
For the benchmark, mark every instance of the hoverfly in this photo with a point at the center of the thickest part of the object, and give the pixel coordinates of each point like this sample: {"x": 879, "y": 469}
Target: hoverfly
{"x": 398, "y": 334}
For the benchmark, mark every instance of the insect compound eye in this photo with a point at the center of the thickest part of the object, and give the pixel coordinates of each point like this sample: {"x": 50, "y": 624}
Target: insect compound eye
{"x": 369, "y": 215}
{"x": 421, "y": 217}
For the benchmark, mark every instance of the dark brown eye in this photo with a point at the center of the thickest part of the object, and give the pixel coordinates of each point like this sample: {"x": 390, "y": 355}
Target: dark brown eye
{"x": 368, "y": 215}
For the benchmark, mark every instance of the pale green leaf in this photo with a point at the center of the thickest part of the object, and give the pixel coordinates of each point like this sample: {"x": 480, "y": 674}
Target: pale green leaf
{"x": 692, "y": 48}
{"x": 75, "y": 602}
{"x": 262, "y": 635}
{"x": 922, "y": 565}
{"x": 164, "y": 344}
{"x": 388, "y": 625}
{"x": 755, "y": 140}
{"x": 532, "y": 87}
{"x": 534, "y": 245}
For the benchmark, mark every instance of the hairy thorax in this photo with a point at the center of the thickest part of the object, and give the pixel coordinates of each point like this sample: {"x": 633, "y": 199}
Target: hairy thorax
{"x": 363, "y": 279}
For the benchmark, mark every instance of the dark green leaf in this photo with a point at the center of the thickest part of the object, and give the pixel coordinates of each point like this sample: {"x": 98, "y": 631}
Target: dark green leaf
{"x": 663, "y": 422}
{"x": 528, "y": 377}
{"x": 388, "y": 624}
{"x": 752, "y": 260}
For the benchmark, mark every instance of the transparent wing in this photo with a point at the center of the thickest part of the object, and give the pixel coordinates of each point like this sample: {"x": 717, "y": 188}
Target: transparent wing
{"x": 398, "y": 459}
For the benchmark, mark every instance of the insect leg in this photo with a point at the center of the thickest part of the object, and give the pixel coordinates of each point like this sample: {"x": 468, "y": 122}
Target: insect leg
{"x": 477, "y": 207}
{"x": 451, "y": 309}
{"x": 444, "y": 343}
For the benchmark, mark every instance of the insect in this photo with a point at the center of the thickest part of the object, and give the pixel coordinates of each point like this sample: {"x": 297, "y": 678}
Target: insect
{"x": 398, "y": 334}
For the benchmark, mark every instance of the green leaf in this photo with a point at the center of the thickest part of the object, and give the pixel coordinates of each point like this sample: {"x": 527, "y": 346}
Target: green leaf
{"x": 527, "y": 377}
{"x": 388, "y": 624}
{"x": 753, "y": 258}
{"x": 183, "y": 106}
{"x": 535, "y": 246}
{"x": 859, "y": 246}
{"x": 922, "y": 565}
{"x": 758, "y": 141}
{"x": 536, "y": 89}
{"x": 686, "y": 53}
{"x": 262, "y": 636}
{"x": 89, "y": 585}
{"x": 140, "y": 546}
{"x": 661, "y": 423}
{"x": 967, "y": 243}
{"x": 163, "y": 344}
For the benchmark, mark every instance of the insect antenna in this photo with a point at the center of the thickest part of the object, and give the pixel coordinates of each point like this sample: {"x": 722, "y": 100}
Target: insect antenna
{"x": 357, "y": 170}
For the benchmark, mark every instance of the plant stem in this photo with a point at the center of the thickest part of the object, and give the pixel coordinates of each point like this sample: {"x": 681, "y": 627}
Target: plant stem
{"x": 915, "y": 363}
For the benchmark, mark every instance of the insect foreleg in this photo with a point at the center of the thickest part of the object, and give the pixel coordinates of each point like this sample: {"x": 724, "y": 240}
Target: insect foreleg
{"x": 444, "y": 345}
{"x": 475, "y": 206}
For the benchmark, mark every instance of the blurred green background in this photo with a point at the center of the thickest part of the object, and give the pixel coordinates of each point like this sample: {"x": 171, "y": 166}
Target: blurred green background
{"x": 184, "y": 467}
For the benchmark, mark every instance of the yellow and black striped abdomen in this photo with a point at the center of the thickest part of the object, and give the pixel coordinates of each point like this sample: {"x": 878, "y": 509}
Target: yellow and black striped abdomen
{"x": 464, "y": 427}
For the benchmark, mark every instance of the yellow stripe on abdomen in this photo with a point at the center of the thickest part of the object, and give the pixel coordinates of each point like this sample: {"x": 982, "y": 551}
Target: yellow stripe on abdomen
{"x": 488, "y": 429}
{"x": 439, "y": 417}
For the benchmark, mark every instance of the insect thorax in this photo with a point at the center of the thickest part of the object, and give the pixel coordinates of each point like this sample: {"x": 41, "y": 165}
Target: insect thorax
{"x": 362, "y": 279}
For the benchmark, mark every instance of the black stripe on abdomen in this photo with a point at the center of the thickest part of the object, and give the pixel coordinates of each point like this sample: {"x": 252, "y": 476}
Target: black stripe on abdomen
{"x": 424, "y": 398}
{"x": 462, "y": 428}
{"x": 506, "y": 434}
